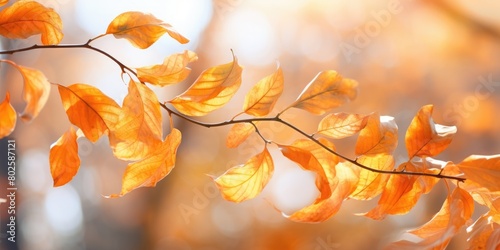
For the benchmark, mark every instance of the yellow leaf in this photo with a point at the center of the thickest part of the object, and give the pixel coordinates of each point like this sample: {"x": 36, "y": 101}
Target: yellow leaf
{"x": 153, "y": 168}
{"x": 379, "y": 136}
{"x": 308, "y": 161}
{"x": 27, "y": 18}
{"x": 142, "y": 30}
{"x": 246, "y": 181}
{"x": 173, "y": 69}
{"x": 89, "y": 109}
{"x": 138, "y": 130}
{"x": 63, "y": 158}
{"x": 326, "y": 91}
{"x": 238, "y": 134}
{"x": 342, "y": 125}
{"x": 437, "y": 233}
{"x": 213, "y": 89}
{"x": 371, "y": 184}
{"x": 424, "y": 137}
{"x": 482, "y": 169}
{"x": 342, "y": 185}
{"x": 263, "y": 96}
{"x": 8, "y": 118}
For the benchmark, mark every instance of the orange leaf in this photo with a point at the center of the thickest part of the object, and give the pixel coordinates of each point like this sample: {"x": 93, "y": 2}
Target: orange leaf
{"x": 213, "y": 89}
{"x": 437, "y": 233}
{"x": 342, "y": 185}
{"x": 482, "y": 169}
{"x": 9, "y": 117}
{"x": 246, "y": 181}
{"x": 153, "y": 168}
{"x": 3, "y": 2}
{"x": 308, "y": 161}
{"x": 173, "y": 69}
{"x": 379, "y": 136}
{"x": 371, "y": 184}
{"x": 263, "y": 96}
{"x": 238, "y": 134}
{"x": 27, "y": 18}
{"x": 36, "y": 90}
{"x": 139, "y": 127}
{"x": 326, "y": 91}
{"x": 142, "y": 30}
{"x": 484, "y": 233}
{"x": 342, "y": 125}
{"x": 424, "y": 137}
{"x": 63, "y": 158}
{"x": 89, "y": 109}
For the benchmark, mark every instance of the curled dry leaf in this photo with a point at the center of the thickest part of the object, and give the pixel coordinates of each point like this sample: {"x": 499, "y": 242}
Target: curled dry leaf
{"x": 27, "y": 18}
{"x": 246, "y": 181}
{"x": 153, "y": 168}
{"x": 63, "y": 158}
{"x": 212, "y": 90}
{"x": 484, "y": 233}
{"x": 238, "y": 134}
{"x": 308, "y": 161}
{"x": 8, "y": 118}
{"x": 326, "y": 91}
{"x": 142, "y": 30}
{"x": 482, "y": 169}
{"x": 173, "y": 70}
{"x": 437, "y": 233}
{"x": 261, "y": 99}
{"x": 342, "y": 125}
{"x": 138, "y": 130}
{"x": 89, "y": 109}
{"x": 424, "y": 137}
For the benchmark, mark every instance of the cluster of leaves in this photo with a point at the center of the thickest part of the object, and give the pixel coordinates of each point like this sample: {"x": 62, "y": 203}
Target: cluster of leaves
{"x": 135, "y": 133}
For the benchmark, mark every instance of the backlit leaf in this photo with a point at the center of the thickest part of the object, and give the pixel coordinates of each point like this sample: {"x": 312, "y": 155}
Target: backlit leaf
{"x": 153, "y": 168}
{"x": 212, "y": 90}
{"x": 308, "y": 161}
{"x": 139, "y": 127}
{"x": 424, "y": 137}
{"x": 89, "y": 109}
{"x": 482, "y": 169}
{"x": 238, "y": 134}
{"x": 342, "y": 125}
{"x": 263, "y": 96}
{"x": 8, "y": 118}
{"x": 379, "y": 136}
{"x": 326, "y": 91}
{"x": 63, "y": 158}
{"x": 246, "y": 181}
{"x": 437, "y": 233}
{"x": 142, "y": 30}
{"x": 484, "y": 233}
{"x": 27, "y": 18}
{"x": 173, "y": 70}
{"x": 3, "y": 2}
{"x": 370, "y": 183}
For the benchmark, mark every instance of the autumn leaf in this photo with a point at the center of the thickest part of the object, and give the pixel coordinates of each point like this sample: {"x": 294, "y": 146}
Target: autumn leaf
{"x": 142, "y": 30}
{"x": 484, "y": 233}
{"x": 341, "y": 125}
{"x": 139, "y": 127}
{"x": 424, "y": 137}
{"x": 261, "y": 99}
{"x": 326, "y": 91}
{"x": 482, "y": 169}
{"x": 370, "y": 183}
{"x": 173, "y": 69}
{"x": 437, "y": 233}
{"x": 3, "y": 2}
{"x": 25, "y": 18}
{"x": 213, "y": 89}
{"x": 379, "y": 136}
{"x": 246, "y": 181}
{"x": 238, "y": 134}
{"x": 308, "y": 161}
{"x": 153, "y": 168}
{"x": 63, "y": 158}
{"x": 8, "y": 118}
{"x": 89, "y": 109}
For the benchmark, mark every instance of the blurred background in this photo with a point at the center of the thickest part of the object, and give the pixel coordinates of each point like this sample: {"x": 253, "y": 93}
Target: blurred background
{"x": 405, "y": 54}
